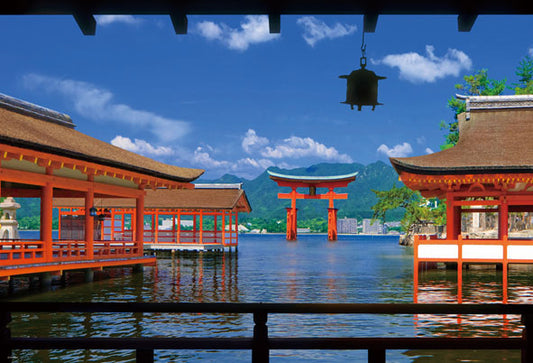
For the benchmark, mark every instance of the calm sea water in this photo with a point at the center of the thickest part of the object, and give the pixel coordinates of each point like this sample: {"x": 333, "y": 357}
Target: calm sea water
{"x": 267, "y": 268}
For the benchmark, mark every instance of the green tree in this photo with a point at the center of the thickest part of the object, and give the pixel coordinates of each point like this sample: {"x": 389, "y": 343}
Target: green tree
{"x": 418, "y": 210}
{"x": 524, "y": 72}
{"x": 477, "y": 84}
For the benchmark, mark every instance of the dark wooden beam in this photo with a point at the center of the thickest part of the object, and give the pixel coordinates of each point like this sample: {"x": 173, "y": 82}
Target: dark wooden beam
{"x": 180, "y": 22}
{"x": 293, "y": 7}
{"x": 274, "y": 23}
{"x": 465, "y": 22}
{"x": 369, "y": 23}
{"x": 86, "y": 22}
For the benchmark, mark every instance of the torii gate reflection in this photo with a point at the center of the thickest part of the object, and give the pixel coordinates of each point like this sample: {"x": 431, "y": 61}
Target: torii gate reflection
{"x": 312, "y": 183}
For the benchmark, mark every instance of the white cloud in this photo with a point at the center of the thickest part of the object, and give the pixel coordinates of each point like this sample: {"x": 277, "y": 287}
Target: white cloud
{"x": 111, "y": 19}
{"x": 245, "y": 167}
{"x": 429, "y": 150}
{"x": 316, "y": 30}
{"x": 97, "y": 104}
{"x": 421, "y": 140}
{"x": 298, "y": 147}
{"x": 260, "y": 164}
{"x": 253, "y": 30}
{"x": 262, "y": 156}
{"x": 252, "y": 142}
{"x": 204, "y": 159}
{"x": 419, "y": 68}
{"x": 399, "y": 150}
{"x": 531, "y": 52}
{"x": 140, "y": 146}
{"x": 210, "y": 30}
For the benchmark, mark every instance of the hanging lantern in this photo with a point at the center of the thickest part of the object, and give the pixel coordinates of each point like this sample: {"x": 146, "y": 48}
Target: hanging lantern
{"x": 362, "y": 85}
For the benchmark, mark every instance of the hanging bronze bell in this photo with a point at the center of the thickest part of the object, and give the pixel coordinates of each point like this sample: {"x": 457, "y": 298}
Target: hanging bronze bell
{"x": 362, "y": 87}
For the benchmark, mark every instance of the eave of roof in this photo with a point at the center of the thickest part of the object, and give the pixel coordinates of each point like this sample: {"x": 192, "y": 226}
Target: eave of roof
{"x": 206, "y": 199}
{"x": 310, "y": 178}
{"x": 29, "y": 126}
{"x": 496, "y": 136}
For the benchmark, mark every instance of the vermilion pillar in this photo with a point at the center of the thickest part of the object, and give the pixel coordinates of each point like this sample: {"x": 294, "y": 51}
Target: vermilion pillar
{"x": 291, "y": 224}
{"x": 503, "y": 222}
{"x": 450, "y": 217}
{"x": 89, "y": 224}
{"x": 139, "y": 231}
{"x": 332, "y": 224}
{"x": 47, "y": 195}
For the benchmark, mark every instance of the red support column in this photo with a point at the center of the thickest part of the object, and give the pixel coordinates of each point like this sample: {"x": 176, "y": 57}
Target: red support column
{"x": 415, "y": 269}
{"x": 178, "y": 231}
{"x": 224, "y": 228}
{"x": 460, "y": 270}
{"x": 503, "y": 232}
{"x": 215, "y": 217}
{"x": 194, "y": 228}
{"x": 332, "y": 224}
{"x": 89, "y": 224}
{"x": 457, "y": 222}
{"x": 174, "y": 227}
{"x": 503, "y": 220}
{"x": 201, "y": 227}
{"x": 47, "y": 195}
{"x": 291, "y": 224}
{"x": 450, "y": 217}
{"x": 155, "y": 222}
{"x": 139, "y": 222}
{"x": 236, "y": 228}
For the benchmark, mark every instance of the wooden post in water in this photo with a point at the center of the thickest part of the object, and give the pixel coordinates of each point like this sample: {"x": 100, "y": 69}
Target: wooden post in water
{"x": 5, "y": 336}
{"x": 527, "y": 334}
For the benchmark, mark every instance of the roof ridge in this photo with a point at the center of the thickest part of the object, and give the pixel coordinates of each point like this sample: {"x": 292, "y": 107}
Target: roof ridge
{"x": 36, "y": 111}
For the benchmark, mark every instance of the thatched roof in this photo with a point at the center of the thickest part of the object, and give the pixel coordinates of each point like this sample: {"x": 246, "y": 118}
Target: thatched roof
{"x": 496, "y": 136}
{"x": 33, "y": 127}
{"x": 229, "y": 199}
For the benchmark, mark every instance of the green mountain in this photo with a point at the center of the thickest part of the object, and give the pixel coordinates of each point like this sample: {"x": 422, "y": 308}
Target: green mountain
{"x": 262, "y": 192}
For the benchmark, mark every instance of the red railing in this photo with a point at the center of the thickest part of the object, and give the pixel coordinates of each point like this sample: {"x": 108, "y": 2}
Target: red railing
{"x": 14, "y": 252}
{"x": 115, "y": 249}
{"x": 69, "y": 250}
{"x": 169, "y": 237}
{"x": 24, "y": 252}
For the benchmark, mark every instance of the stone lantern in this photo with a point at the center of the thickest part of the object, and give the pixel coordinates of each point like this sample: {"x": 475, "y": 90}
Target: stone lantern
{"x": 8, "y": 221}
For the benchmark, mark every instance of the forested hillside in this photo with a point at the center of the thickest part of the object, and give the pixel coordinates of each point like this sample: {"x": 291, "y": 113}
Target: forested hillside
{"x": 262, "y": 192}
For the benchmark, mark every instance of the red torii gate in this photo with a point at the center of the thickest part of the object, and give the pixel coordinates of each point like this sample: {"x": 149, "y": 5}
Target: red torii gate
{"x": 312, "y": 182}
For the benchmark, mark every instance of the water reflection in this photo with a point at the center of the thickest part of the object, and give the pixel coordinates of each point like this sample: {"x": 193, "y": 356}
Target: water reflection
{"x": 195, "y": 277}
{"x": 479, "y": 286}
{"x": 270, "y": 269}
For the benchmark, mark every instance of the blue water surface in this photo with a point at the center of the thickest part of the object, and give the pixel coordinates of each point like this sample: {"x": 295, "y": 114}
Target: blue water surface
{"x": 267, "y": 268}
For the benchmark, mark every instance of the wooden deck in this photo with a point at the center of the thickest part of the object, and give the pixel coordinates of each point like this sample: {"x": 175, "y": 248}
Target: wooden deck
{"x": 22, "y": 257}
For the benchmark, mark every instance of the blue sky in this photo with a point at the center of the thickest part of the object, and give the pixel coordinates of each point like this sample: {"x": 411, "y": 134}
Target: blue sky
{"x": 229, "y": 97}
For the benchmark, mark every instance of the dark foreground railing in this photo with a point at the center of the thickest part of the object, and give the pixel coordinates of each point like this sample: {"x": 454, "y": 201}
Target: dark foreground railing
{"x": 260, "y": 343}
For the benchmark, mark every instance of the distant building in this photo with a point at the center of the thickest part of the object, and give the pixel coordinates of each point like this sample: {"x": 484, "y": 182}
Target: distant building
{"x": 373, "y": 228}
{"x": 303, "y": 230}
{"x": 347, "y": 225}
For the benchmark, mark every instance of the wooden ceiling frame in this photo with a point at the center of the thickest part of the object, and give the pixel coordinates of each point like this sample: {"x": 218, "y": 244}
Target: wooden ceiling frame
{"x": 83, "y": 11}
